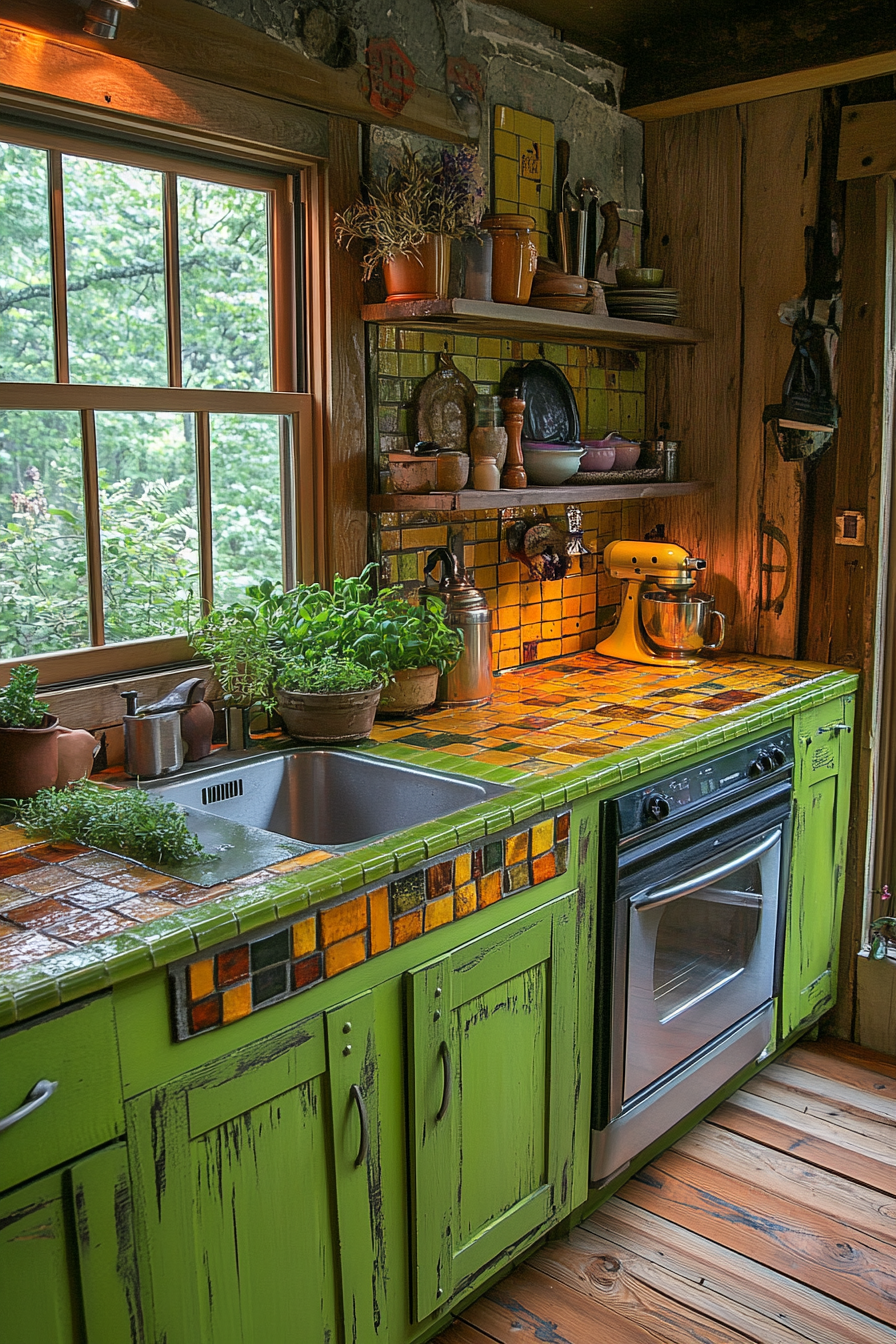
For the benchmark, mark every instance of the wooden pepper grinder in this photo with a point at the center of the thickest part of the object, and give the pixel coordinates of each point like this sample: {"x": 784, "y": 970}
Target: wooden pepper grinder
{"x": 513, "y": 476}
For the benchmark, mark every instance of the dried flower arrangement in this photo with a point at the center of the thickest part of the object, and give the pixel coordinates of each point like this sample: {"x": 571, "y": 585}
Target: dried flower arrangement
{"x": 416, "y": 197}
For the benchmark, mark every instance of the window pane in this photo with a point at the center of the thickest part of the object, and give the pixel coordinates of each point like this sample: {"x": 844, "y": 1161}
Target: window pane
{"x": 116, "y": 273}
{"x": 245, "y": 502}
{"x": 26, "y": 305}
{"x": 43, "y": 555}
{"x": 150, "y": 540}
{"x": 224, "y": 288}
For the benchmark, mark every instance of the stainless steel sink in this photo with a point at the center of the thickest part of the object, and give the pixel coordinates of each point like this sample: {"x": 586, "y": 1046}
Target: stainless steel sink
{"x": 324, "y": 797}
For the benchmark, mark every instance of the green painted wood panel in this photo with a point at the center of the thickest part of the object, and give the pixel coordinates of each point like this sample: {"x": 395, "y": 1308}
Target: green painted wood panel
{"x": 107, "y": 1267}
{"x": 820, "y": 818}
{"x": 353, "y": 1064}
{"x": 494, "y": 1074}
{"x": 37, "y": 1273}
{"x": 78, "y": 1049}
{"x": 238, "y": 1221}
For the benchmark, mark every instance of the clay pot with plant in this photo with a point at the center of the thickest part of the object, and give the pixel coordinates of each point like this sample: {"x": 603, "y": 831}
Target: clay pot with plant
{"x": 408, "y": 218}
{"x": 328, "y": 700}
{"x": 29, "y": 758}
{"x": 418, "y": 645}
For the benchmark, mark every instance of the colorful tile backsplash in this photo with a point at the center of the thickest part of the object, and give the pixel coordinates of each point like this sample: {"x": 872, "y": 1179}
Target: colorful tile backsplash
{"x": 222, "y": 987}
{"x": 532, "y": 621}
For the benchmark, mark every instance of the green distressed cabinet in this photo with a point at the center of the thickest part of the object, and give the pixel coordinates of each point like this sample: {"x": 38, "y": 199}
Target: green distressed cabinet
{"x": 494, "y": 1076}
{"x": 254, "y": 1178}
{"x": 823, "y": 744}
{"x": 67, "y": 1261}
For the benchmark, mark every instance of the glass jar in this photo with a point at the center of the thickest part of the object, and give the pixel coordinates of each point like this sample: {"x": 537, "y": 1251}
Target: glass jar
{"x": 514, "y": 258}
{"x": 489, "y": 437}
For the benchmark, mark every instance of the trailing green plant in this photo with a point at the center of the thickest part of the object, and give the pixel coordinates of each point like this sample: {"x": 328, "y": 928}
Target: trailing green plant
{"x": 239, "y": 643}
{"x": 328, "y": 676}
{"x": 18, "y": 706}
{"x": 125, "y": 821}
{"x": 416, "y": 197}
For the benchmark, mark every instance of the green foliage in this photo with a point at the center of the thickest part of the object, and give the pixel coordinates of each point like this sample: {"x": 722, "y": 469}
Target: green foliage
{"x": 124, "y": 821}
{"x": 416, "y": 636}
{"x": 238, "y": 642}
{"x": 18, "y": 706}
{"x": 146, "y": 460}
{"x": 416, "y": 197}
{"x": 330, "y": 676}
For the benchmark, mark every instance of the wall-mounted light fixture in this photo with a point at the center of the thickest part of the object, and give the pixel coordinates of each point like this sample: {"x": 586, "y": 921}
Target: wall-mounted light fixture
{"x": 101, "y": 19}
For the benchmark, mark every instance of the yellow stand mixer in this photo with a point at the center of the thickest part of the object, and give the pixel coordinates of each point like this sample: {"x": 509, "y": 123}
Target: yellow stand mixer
{"x": 661, "y": 575}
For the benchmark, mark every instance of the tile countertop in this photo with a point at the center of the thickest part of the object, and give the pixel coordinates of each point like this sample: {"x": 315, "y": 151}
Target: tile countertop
{"x": 74, "y": 920}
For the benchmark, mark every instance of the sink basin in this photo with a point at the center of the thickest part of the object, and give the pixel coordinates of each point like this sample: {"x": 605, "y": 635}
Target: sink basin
{"x": 335, "y": 799}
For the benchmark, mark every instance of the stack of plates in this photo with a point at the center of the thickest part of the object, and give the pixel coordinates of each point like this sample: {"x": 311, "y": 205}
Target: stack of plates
{"x": 643, "y": 305}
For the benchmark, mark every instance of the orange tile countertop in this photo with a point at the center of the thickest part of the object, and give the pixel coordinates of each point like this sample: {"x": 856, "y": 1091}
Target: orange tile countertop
{"x": 73, "y": 920}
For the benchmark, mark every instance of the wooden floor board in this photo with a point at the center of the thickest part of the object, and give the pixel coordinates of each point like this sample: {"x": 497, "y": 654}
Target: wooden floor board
{"x": 772, "y": 1222}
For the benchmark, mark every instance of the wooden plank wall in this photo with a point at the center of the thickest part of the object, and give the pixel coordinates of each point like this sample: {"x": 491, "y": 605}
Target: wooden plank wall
{"x": 729, "y": 195}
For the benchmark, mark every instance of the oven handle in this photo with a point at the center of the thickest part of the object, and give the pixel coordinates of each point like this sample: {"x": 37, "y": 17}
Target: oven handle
{"x": 705, "y": 879}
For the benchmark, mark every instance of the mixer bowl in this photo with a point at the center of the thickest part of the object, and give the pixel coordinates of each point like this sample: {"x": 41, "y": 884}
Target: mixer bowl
{"x": 676, "y": 624}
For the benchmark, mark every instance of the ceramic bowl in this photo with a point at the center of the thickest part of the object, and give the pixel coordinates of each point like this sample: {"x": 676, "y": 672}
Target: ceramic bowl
{"x": 600, "y": 455}
{"x": 557, "y": 282}
{"x": 627, "y": 455}
{"x": 551, "y": 463}
{"x": 413, "y": 475}
{"x": 630, "y": 277}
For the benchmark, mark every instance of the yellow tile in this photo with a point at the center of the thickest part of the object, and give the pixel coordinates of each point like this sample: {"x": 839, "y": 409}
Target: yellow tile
{"x": 504, "y": 178}
{"x": 489, "y": 348}
{"x": 570, "y": 644}
{"x": 508, "y": 594}
{"x": 300, "y": 861}
{"x": 341, "y": 920}
{"x": 550, "y": 649}
{"x": 236, "y": 1003}
{"x": 509, "y": 572}
{"x": 516, "y": 847}
{"x": 507, "y": 660}
{"x": 551, "y": 611}
{"x": 390, "y": 541}
{"x": 415, "y": 538}
{"x": 527, "y": 125}
{"x": 490, "y": 888}
{"x": 508, "y": 639}
{"x": 504, "y": 144}
{"x": 462, "y": 868}
{"x": 202, "y": 978}
{"x": 485, "y": 553}
{"x": 304, "y": 937}
{"x": 570, "y": 625}
{"x": 341, "y": 956}
{"x": 439, "y": 912}
{"x": 11, "y": 838}
{"x": 505, "y": 118}
{"x": 542, "y": 836}
{"x": 487, "y": 577}
{"x": 380, "y": 922}
{"x": 465, "y": 900}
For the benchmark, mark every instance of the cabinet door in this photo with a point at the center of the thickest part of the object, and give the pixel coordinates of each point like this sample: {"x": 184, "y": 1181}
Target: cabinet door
{"x": 238, "y": 1165}
{"x": 67, "y": 1256}
{"x": 493, "y": 1080}
{"x": 823, "y": 745}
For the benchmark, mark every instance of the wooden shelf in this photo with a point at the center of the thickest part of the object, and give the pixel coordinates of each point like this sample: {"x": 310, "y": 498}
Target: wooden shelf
{"x": 516, "y": 321}
{"x": 469, "y": 500}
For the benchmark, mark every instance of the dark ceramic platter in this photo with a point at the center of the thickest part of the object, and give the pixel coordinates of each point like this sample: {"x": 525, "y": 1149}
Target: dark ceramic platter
{"x": 551, "y": 414}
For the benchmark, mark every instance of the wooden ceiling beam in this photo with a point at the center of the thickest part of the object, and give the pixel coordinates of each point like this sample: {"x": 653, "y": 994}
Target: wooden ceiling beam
{"x": 818, "y": 77}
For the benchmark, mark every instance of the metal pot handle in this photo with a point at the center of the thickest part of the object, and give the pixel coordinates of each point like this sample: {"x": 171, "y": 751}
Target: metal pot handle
{"x": 709, "y": 648}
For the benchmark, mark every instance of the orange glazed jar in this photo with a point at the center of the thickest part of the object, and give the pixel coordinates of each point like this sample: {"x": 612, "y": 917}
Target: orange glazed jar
{"x": 515, "y": 257}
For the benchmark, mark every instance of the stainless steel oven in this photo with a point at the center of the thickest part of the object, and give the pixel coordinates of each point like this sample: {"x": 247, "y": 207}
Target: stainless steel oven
{"x": 693, "y": 905}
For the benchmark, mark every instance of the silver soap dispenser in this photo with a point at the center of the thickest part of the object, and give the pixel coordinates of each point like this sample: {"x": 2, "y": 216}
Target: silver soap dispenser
{"x": 469, "y": 682}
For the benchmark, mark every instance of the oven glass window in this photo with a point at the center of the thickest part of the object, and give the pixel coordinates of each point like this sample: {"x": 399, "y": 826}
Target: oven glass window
{"x": 705, "y": 940}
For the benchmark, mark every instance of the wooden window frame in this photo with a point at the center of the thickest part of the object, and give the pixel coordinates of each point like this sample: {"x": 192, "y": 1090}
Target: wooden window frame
{"x": 302, "y": 424}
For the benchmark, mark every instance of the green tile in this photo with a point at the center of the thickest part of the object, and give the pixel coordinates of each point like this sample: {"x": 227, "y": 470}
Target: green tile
{"x": 388, "y": 364}
{"x": 434, "y": 341}
{"x": 407, "y": 565}
{"x": 214, "y": 924}
{"x": 498, "y": 818}
{"x": 388, "y": 338}
{"x": 125, "y": 955}
{"x": 390, "y": 390}
{"x": 169, "y": 938}
{"x": 465, "y": 345}
{"x": 291, "y": 899}
{"x": 84, "y": 977}
{"x": 7, "y": 1007}
{"x": 410, "y": 850}
{"x": 466, "y": 364}
{"x": 555, "y": 353}
{"x": 377, "y": 865}
{"x": 412, "y": 365}
{"x": 488, "y": 370}
{"x": 439, "y": 839}
{"x": 35, "y": 991}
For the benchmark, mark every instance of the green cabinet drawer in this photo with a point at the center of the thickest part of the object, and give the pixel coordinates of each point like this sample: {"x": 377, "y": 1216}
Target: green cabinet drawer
{"x": 77, "y": 1049}
{"x": 821, "y": 736}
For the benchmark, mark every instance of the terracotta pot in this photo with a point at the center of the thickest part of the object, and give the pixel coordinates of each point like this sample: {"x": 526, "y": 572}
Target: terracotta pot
{"x": 29, "y": 759}
{"x": 515, "y": 257}
{"x": 343, "y": 717}
{"x": 75, "y": 752}
{"x": 412, "y": 689}
{"x": 422, "y": 274}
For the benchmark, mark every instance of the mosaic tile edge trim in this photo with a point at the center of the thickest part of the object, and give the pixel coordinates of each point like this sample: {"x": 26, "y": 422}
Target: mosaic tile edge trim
{"x": 244, "y": 976}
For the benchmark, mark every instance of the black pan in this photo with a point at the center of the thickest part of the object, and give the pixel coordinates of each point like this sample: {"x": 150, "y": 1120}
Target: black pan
{"x": 551, "y": 414}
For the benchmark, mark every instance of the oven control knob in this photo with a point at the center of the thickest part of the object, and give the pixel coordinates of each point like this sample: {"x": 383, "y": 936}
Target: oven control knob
{"x": 658, "y": 807}
{"x": 778, "y": 757}
{"x": 762, "y": 764}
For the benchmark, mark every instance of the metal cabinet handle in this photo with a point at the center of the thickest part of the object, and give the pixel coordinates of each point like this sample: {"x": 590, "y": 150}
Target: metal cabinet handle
{"x": 357, "y": 1098}
{"x": 39, "y": 1093}
{"x": 705, "y": 879}
{"x": 834, "y": 728}
{"x": 447, "y": 1083}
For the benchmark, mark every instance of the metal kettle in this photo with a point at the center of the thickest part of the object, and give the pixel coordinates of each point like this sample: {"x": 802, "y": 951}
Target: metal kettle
{"x": 469, "y": 682}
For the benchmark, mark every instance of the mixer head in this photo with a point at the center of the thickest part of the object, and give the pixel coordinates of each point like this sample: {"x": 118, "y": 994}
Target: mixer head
{"x": 668, "y": 566}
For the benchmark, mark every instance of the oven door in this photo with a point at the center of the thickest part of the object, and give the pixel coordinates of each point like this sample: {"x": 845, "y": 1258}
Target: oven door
{"x": 702, "y": 938}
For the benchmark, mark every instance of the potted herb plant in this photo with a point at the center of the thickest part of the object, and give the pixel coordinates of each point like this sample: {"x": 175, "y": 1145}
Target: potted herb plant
{"x": 330, "y": 699}
{"x": 28, "y": 752}
{"x": 408, "y": 218}
{"x": 418, "y": 645}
